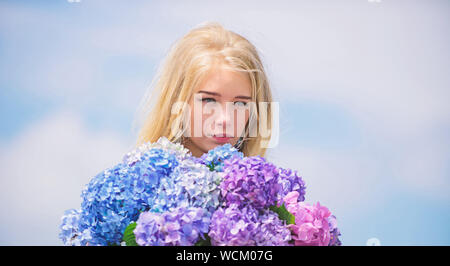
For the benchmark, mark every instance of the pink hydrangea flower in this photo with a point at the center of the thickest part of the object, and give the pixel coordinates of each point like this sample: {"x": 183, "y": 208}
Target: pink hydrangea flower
{"x": 311, "y": 226}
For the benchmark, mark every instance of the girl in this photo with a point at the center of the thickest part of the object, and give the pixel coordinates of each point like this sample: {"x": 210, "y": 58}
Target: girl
{"x": 209, "y": 67}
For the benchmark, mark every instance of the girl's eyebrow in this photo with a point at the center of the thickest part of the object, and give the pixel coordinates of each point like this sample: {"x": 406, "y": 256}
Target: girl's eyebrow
{"x": 243, "y": 97}
{"x": 209, "y": 92}
{"x": 218, "y": 95}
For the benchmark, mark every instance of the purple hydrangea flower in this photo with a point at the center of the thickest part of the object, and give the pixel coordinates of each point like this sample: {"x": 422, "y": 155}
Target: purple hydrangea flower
{"x": 179, "y": 227}
{"x": 251, "y": 180}
{"x": 234, "y": 226}
{"x": 255, "y": 181}
{"x": 334, "y": 232}
{"x": 290, "y": 181}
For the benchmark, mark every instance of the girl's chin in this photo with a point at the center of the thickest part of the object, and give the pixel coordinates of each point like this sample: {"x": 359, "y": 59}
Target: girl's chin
{"x": 210, "y": 143}
{"x": 219, "y": 142}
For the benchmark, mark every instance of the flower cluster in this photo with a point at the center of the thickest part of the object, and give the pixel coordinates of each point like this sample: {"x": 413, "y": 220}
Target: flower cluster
{"x": 115, "y": 197}
{"x": 71, "y": 233}
{"x": 153, "y": 177}
{"x": 163, "y": 143}
{"x": 250, "y": 186}
{"x": 312, "y": 223}
{"x": 216, "y": 157}
{"x": 253, "y": 180}
{"x": 160, "y": 194}
{"x": 289, "y": 180}
{"x": 234, "y": 226}
{"x": 190, "y": 184}
{"x": 181, "y": 226}
{"x": 334, "y": 232}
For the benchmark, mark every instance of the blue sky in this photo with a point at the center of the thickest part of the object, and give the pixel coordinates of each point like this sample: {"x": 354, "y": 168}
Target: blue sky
{"x": 363, "y": 90}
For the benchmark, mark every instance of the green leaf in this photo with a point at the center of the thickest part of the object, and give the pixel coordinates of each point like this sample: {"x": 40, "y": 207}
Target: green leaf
{"x": 211, "y": 166}
{"x": 204, "y": 242}
{"x": 283, "y": 214}
{"x": 128, "y": 235}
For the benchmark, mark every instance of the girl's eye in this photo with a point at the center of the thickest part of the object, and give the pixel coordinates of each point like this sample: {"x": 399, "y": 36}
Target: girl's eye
{"x": 240, "y": 104}
{"x": 207, "y": 100}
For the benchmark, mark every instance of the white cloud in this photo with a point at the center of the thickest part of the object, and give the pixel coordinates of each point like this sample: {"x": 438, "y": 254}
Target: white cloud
{"x": 43, "y": 171}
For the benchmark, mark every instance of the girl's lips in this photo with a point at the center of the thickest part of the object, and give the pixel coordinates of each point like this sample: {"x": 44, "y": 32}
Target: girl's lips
{"x": 221, "y": 139}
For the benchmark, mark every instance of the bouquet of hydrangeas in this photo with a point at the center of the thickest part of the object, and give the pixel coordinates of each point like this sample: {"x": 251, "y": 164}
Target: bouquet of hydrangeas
{"x": 161, "y": 195}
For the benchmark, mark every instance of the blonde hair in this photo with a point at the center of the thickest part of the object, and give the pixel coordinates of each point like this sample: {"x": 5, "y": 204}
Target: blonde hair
{"x": 188, "y": 62}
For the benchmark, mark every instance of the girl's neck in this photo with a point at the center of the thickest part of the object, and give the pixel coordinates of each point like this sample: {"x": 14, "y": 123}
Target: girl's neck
{"x": 193, "y": 149}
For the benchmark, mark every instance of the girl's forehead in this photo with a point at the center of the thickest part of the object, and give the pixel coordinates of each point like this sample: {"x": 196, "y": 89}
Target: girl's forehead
{"x": 225, "y": 83}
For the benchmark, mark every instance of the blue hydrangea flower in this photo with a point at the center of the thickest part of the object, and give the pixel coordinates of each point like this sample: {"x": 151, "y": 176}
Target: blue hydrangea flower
{"x": 159, "y": 177}
{"x": 215, "y": 157}
{"x": 116, "y": 196}
{"x": 163, "y": 143}
{"x": 190, "y": 184}
{"x": 71, "y": 234}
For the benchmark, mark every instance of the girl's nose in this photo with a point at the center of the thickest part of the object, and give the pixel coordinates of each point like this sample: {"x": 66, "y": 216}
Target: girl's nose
{"x": 224, "y": 119}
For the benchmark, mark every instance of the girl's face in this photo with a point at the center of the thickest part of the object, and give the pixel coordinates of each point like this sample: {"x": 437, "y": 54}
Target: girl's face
{"x": 222, "y": 99}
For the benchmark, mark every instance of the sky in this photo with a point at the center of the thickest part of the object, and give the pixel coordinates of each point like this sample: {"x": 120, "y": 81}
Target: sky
{"x": 362, "y": 86}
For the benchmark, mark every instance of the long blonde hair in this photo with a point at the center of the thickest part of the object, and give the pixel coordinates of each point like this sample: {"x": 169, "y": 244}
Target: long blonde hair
{"x": 188, "y": 62}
